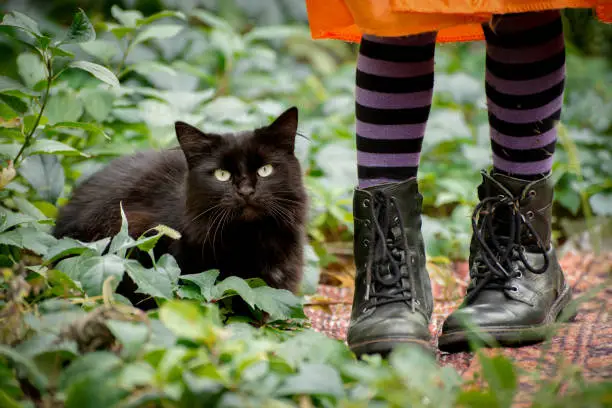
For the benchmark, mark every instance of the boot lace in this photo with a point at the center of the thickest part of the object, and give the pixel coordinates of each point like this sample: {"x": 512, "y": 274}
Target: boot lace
{"x": 386, "y": 270}
{"x": 501, "y": 253}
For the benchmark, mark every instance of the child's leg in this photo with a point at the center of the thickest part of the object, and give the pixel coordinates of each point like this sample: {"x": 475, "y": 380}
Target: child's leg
{"x": 393, "y": 98}
{"x": 392, "y": 302}
{"x": 524, "y": 84}
{"x": 517, "y": 289}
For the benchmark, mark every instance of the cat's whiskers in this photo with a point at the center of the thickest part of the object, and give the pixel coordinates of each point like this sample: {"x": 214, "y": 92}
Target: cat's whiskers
{"x": 278, "y": 210}
{"x": 222, "y": 222}
{"x": 213, "y": 220}
{"x": 205, "y": 211}
{"x": 287, "y": 200}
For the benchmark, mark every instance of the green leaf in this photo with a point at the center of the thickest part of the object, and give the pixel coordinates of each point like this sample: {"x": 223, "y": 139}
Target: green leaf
{"x": 11, "y": 87}
{"x": 601, "y": 203}
{"x": 92, "y": 381}
{"x": 15, "y": 103}
{"x": 100, "y": 391}
{"x": 147, "y": 243}
{"x": 98, "y": 103}
{"x": 9, "y": 219}
{"x": 234, "y": 285}
{"x": 89, "y": 365}
{"x": 104, "y": 50}
{"x": 569, "y": 199}
{"x": 154, "y": 282}
{"x": 19, "y": 20}
{"x": 132, "y": 336}
{"x": 64, "y": 107}
{"x": 279, "y": 303}
{"x": 146, "y": 68}
{"x": 80, "y": 30}
{"x": 136, "y": 374}
{"x": 476, "y": 399}
{"x": 46, "y": 343}
{"x": 159, "y": 31}
{"x": 312, "y": 271}
{"x": 211, "y": 20}
{"x": 7, "y": 401}
{"x": 9, "y": 150}
{"x": 499, "y": 373}
{"x": 50, "y": 146}
{"x": 185, "y": 319}
{"x": 127, "y": 18}
{"x": 190, "y": 291}
{"x": 29, "y": 209}
{"x": 58, "y": 52}
{"x": 31, "y": 69}
{"x": 68, "y": 246}
{"x": 205, "y": 281}
{"x": 46, "y": 174}
{"x": 312, "y": 347}
{"x": 313, "y": 379}
{"x": 274, "y": 33}
{"x": 80, "y": 125}
{"x": 100, "y": 72}
{"x": 167, "y": 265}
{"x": 28, "y": 238}
{"x": 162, "y": 14}
{"x": 38, "y": 379}
{"x": 92, "y": 271}
{"x": 122, "y": 241}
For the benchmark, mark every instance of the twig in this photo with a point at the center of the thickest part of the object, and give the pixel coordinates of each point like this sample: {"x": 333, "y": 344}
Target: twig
{"x": 28, "y": 138}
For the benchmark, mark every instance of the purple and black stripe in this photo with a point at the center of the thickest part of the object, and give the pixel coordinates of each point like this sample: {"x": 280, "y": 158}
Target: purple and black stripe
{"x": 393, "y": 99}
{"x": 525, "y": 81}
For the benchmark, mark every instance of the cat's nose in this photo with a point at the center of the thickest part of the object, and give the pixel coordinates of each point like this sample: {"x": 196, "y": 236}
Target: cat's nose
{"x": 246, "y": 191}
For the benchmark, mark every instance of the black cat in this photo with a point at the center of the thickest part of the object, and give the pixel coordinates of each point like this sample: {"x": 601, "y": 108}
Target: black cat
{"x": 237, "y": 199}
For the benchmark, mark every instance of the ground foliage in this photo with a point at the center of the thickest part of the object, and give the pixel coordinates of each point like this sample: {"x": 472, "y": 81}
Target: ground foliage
{"x": 73, "y": 97}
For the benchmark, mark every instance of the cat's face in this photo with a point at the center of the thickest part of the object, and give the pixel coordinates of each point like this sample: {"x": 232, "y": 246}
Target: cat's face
{"x": 244, "y": 176}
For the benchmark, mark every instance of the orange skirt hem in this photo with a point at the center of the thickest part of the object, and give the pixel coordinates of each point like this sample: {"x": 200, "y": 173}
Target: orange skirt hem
{"x": 348, "y": 20}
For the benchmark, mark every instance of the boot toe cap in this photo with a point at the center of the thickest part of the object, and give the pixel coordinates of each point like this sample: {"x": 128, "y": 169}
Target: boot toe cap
{"x": 481, "y": 316}
{"x": 379, "y": 333}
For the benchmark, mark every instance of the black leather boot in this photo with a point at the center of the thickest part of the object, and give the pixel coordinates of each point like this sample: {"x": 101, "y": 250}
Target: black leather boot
{"x": 517, "y": 289}
{"x": 393, "y": 301}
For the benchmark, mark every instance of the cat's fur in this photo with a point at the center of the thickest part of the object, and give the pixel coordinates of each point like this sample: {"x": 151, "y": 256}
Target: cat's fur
{"x": 249, "y": 226}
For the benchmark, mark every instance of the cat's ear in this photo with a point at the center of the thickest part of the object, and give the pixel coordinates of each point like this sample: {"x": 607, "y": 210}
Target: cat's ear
{"x": 282, "y": 131}
{"x": 195, "y": 143}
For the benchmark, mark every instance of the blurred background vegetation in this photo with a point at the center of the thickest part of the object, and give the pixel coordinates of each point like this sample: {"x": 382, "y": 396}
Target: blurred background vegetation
{"x": 234, "y": 64}
{"x": 226, "y": 65}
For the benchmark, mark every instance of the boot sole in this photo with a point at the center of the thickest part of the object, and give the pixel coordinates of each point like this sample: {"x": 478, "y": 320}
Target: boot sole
{"x": 511, "y": 336}
{"x": 385, "y": 346}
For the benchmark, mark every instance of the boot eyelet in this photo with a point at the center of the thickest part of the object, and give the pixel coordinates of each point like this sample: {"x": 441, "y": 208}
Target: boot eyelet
{"x": 365, "y": 243}
{"x": 417, "y": 302}
{"x": 396, "y": 219}
{"x": 518, "y": 275}
{"x": 367, "y": 223}
{"x": 514, "y": 289}
{"x": 532, "y": 193}
{"x": 530, "y": 215}
{"x": 366, "y": 203}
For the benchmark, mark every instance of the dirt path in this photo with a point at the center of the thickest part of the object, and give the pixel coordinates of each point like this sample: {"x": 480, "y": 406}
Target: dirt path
{"x": 586, "y": 342}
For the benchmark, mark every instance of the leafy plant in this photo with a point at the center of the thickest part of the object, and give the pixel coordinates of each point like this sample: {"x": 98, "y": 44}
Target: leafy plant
{"x": 70, "y": 100}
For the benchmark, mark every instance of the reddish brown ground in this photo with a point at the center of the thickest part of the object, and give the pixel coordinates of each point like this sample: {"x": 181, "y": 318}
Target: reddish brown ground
{"x": 586, "y": 342}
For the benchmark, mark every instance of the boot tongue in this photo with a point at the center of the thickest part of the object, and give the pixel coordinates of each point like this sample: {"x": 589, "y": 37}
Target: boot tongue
{"x": 501, "y": 185}
{"x": 514, "y": 189}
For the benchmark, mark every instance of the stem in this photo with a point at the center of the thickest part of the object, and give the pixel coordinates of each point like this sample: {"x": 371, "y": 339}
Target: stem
{"x": 30, "y": 135}
{"x": 125, "y": 55}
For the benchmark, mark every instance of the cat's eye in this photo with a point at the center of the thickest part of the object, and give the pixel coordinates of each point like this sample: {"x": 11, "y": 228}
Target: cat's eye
{"x": 265, "y": 171}
{"x": 222, "y": 175}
